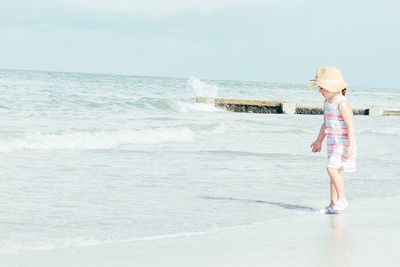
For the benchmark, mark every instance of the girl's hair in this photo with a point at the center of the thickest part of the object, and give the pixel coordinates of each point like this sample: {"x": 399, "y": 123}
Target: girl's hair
{"x": 344, "y": 91}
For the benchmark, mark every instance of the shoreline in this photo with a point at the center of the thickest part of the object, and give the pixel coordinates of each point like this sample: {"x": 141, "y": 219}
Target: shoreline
{"x": 366, "y": 234}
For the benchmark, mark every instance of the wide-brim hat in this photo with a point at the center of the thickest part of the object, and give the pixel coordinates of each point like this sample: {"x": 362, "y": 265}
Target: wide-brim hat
{"x": 329, "y": 78}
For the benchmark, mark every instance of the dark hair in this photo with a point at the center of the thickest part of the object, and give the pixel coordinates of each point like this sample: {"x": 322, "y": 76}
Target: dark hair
{"x": 344, "y": 91}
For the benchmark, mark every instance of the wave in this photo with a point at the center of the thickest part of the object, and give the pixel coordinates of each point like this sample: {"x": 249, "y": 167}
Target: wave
{"x": 109, "y": 139}
{"x": 201, "y": 88}
{"x": 98, "y": 140}
{"x": 189, "y": 107}
{"x": 18, "y": 247}
{"x": 184, "y": 106}
{"x": 156, "y": 104}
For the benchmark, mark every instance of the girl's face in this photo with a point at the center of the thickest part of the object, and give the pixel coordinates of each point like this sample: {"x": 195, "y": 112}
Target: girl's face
{"x": 325, "y": 93}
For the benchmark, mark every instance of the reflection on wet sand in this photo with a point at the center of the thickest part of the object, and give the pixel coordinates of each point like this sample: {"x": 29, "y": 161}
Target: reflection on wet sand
{"x": 340, "y": 242}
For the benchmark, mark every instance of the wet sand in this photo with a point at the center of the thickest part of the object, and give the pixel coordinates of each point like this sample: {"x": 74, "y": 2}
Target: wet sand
{"x": 366, "y": 234}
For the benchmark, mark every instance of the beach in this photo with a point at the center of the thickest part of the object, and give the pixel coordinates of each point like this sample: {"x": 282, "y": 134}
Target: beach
{"x": 114, "y": 170}
{"x": 199, "y": 133}
{"x": 366, "y": 234}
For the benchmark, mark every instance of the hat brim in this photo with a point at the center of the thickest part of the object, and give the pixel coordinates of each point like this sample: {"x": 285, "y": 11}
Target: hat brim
{"x": 331, "y": 87}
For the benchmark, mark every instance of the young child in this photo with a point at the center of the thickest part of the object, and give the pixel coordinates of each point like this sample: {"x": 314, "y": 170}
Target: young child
{"x": 339, "y": 129}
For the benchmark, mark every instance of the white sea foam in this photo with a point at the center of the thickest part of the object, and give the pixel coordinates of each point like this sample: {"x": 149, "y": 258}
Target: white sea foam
{"x": 201, "y": 88}
{"x": 106, "y": 139}
{"x": 97, "y": 140}
{"x": 15, "y": 248}
{"x": 190, "y": 107}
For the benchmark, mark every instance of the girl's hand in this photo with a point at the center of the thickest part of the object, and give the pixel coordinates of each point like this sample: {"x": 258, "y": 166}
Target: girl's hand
{"x": 316, "y": 146}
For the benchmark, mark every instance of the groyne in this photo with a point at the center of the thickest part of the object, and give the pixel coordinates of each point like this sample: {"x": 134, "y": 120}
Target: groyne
{"x": 280, "y": 107}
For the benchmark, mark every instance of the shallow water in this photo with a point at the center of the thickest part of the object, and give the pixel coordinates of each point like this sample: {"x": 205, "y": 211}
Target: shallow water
{"x": 88, "y": 159}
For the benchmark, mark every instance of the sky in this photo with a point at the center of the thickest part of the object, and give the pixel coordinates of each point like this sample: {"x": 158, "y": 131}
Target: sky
{"x": 252, "y": 40}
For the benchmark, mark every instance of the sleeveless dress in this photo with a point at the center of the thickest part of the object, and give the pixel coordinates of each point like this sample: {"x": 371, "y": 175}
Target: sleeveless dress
{"x": 337, "y": 137}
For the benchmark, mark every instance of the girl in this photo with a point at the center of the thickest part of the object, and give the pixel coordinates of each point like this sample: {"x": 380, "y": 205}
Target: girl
{"x": 339, "y": 129}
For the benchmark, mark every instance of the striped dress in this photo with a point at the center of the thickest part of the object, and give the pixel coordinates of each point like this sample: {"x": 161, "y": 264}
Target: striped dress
{"x": 337, "y": 137}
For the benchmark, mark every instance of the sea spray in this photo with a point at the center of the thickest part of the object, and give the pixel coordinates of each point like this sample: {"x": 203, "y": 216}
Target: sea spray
{"x": 201, "y": 88}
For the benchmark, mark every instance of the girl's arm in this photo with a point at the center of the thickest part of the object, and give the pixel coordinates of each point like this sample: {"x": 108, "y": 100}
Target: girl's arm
{"x": 316, "y": 145}
{"x": 321, "y": 134}
{"x": 347, "y": 114}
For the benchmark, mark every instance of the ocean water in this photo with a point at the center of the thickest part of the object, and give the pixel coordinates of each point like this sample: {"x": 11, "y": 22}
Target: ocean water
{"x": 88, "y": 159}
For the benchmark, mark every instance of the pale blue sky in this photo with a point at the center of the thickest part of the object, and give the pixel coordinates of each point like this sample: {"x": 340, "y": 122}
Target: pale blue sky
{"x": 261, "y": 40}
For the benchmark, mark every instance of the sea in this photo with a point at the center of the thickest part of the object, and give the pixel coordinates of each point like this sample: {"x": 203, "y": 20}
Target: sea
{"x": 91, "y": 159}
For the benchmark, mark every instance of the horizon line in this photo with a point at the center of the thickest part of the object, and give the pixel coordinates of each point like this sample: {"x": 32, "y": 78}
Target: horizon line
{"x": 171, "y": 77}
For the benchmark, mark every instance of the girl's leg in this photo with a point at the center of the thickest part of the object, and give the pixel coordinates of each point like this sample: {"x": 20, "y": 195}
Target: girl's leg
{"x": 333, "y": 195}
{"x": 337, "y": 183}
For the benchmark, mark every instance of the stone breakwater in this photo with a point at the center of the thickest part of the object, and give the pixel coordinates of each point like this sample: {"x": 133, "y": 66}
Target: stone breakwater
{"x": 279, "y": 107}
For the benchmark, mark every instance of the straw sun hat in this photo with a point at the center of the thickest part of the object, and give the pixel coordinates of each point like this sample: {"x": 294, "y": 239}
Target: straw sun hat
{"x": 329, "y": 78}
